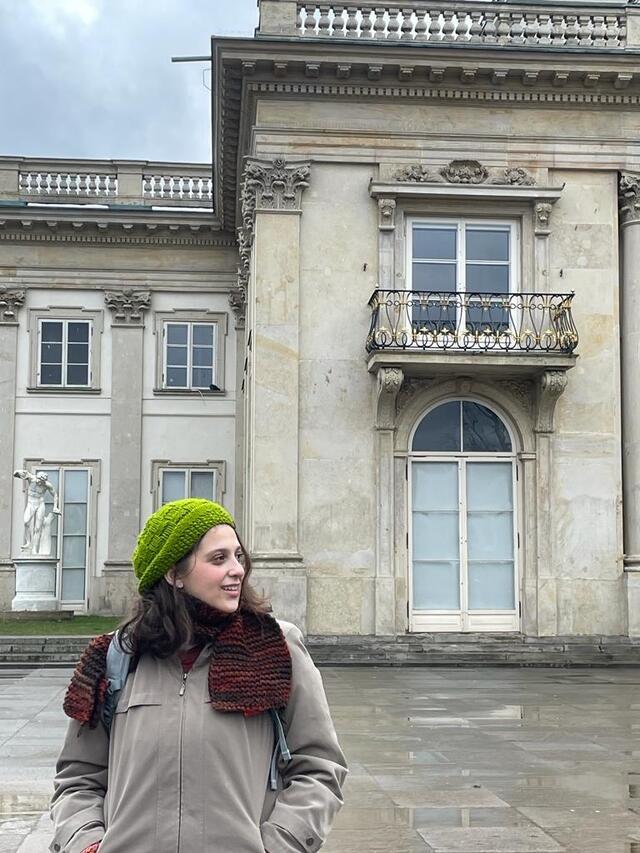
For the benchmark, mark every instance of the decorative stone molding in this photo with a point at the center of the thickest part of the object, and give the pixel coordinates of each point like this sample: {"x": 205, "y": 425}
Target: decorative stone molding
{"x": 11, "y": 301}
{"x": 523, "y": 391}
{"x": 465, "y": 172}
{"x": 409, "y": 389}
{"x": 97, "y": 233}
{"x": 629, "y": 197}
{"x": 543, "y": 215}
{"x": 551, "y": 384}
{"x": 386, "y": 214}
{"x": 128, "y": 305}
{"x": 389, "y": 383}
{"x": 265, "y": 186}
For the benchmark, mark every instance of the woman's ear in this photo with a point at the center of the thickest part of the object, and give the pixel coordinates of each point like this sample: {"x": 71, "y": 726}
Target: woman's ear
{"x": 171, "y": 579}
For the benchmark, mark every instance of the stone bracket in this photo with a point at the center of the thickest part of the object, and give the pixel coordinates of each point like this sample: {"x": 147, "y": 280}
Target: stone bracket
{"x": 550, "y": 386}
{"x": 11, "y": 301}
{"x": 389, "y": 383}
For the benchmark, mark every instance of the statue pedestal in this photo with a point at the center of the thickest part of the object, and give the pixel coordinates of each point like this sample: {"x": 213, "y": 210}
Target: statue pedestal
{"x": 35, "y": 583}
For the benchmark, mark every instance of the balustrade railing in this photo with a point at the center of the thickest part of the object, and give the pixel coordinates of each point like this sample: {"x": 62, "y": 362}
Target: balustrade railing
{"x": 475, "y": 23}
{"x": 103, "y": 182}
{"x": 487, "y": 322}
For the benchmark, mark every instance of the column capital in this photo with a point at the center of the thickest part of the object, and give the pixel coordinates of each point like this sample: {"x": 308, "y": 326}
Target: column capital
{"x": 629, "y": 197}
{"x": 128, "y": 305}
{"x": 11, "y": 300}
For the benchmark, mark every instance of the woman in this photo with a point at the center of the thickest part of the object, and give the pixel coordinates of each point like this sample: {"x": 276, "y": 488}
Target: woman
{"x": 186, "y": 764}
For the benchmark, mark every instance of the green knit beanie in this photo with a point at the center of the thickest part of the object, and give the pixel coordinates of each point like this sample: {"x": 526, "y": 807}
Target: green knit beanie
{"x": 170, "y": 533}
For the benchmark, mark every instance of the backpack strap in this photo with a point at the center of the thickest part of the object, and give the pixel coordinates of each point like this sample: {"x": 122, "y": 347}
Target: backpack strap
{"x": 280, "y": 750}
{"x": 118, "y": 665}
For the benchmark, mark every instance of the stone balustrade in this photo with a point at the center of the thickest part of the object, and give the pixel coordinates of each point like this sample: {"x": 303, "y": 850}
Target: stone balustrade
{"x": 551, "y": 25}
{"x": 105, "y": 182}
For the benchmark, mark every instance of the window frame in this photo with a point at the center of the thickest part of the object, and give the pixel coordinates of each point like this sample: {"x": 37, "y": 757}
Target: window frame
{"x": 38, "y": 316}
{"x": 190, "y": 347}
{"x": 159, "y": 466}
{"x": 65, "y": 353}
{"x": 220, "y": 321}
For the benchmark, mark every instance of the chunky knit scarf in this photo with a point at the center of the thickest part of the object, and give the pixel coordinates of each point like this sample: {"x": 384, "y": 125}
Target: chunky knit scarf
{"x": 249, "y": 669}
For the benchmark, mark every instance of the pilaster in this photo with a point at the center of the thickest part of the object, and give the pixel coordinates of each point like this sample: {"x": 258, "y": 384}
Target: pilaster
{"x": 11, "y": 301}
{"x": 128, "y": 307}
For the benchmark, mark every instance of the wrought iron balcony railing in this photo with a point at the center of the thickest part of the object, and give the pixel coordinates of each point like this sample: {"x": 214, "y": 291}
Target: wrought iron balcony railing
{"x": 481, "y": 322}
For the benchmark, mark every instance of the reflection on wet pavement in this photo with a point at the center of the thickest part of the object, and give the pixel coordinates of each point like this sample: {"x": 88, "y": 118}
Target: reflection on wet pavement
{"x": 442, "y": 761}
{"x": 488, "y": 761}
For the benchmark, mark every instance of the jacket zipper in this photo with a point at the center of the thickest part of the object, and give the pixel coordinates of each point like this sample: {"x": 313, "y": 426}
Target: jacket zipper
{"x": 181, "y": 692}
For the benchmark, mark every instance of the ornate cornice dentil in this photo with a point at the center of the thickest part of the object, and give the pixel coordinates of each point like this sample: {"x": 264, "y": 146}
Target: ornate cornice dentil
{"x": 10, "y": 302}
{"x": 128, "y": 305}
{"x": 465, "y": 172}
{"x": 629, "y": 197}
{"x": 265, "y": 186}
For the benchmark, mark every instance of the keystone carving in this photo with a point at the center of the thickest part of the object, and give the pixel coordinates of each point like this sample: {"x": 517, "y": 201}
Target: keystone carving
{"x": 629, "y": 197}
{"x": 465, "y": 172}
{"x": 550, "y": 386}
{"x": 265, "y": 186}
{"x": 389, "y": 382}
{"x": 10, "y": 303}
{"x": 128, "y": 305}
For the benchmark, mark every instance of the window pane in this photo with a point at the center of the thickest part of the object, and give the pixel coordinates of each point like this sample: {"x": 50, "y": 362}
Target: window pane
{"x": 436, "y": 586}
{"x": 434, "y": 485}
{"x": 51, "y": 374}
{"x": 73, "y": 584}
{"x": 486, "y": 245}
{"x": 52, "y": 331}
{"x": 201, "y": 377}
{"x": 51, "y": 353}
{"x": 440, "y": 429}
{"x": 78, "y": 333}
{"x": 491, "y": 586}
{"x": 490, "y": 535}
{"x": 434, "y": 242}
{"x": 173, "y": 486}
{"x": 202, "y": 484}
{"x": 74, "y": 552}
{"x": 203, "y": 334}
{"x": 77, "y": 374}
{"x": 75, "y": 519}
{"x": 483, "y": 430}
{"x": 177, "y": 356}
{"x": 177, "y": 333}
{"x": 435, "y": 536}
{"x": 176, "y": 377}
{"x": 203, "y": 356}
{"x": 489, "y": 278}
{"x": 490, "y": 486}
{"x": 75, "y": 486}
{"x": 78, "y": 353}
{"x": 440, "y": 277}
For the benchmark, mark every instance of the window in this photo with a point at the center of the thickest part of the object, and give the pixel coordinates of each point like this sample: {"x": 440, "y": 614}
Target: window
{"x": 172, "y": 481}
{"x": 65, "y": 350}
{"x": 190, "y": 352}
{"x": 465, "y": 271}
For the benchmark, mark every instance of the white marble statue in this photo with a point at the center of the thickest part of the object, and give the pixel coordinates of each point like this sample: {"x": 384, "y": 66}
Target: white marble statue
{"x": 37, "y": 527}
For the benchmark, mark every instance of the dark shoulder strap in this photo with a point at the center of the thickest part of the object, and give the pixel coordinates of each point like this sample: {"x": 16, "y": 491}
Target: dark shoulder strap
{"x": 118, "y": 665}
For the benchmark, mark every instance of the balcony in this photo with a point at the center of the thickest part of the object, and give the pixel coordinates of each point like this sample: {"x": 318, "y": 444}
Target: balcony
{"x": 430, "y": 333}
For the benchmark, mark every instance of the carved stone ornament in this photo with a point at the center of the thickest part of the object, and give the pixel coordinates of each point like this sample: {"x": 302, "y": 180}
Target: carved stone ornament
{"x": 128, "y": 305}
{"x": 465, "y": 172}
{"x": 387, "y": 213}
{"x": 409, "y": 389}
{"x": 515, "y": 177}
{"x": 10, "y": 302}
{"x": 543, "y": 214}
{"x": 389, "y": 382}
{"x": 550, "y": 386}
{"x": 274, "y": 186}
{"x": 629, "y": 197}
{"x": 522, "y": 391}
{"x": 415, "y": 174}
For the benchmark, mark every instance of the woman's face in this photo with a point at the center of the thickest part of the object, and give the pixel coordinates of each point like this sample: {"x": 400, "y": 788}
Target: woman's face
{"x": 217, "y": 570}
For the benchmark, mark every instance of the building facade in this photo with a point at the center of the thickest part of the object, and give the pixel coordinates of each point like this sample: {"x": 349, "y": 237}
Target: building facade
{"x": 419, "y": 289}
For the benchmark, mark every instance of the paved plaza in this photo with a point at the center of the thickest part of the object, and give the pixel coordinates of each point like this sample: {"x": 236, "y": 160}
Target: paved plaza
{"x": 442, "y": 761}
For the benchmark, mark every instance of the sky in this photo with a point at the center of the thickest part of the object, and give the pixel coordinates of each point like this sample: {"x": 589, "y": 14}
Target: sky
{"x": 94, "y": 78}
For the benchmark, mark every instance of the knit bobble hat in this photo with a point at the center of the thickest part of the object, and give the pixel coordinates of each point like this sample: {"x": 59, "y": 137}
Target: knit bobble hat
{"x": 170, "y": 533}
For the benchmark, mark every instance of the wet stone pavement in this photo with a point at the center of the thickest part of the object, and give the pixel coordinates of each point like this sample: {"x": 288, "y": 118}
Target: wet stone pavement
{"x": 442, "y": 760}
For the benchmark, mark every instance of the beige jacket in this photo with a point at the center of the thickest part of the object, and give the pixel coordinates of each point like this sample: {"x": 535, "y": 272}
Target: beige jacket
{"x": 178, "y": 777}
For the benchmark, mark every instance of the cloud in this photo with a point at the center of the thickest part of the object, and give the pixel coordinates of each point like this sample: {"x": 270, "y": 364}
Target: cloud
{"x": 94, "y": 78}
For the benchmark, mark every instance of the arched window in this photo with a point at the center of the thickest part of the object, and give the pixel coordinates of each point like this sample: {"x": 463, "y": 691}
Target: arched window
{"x": 461, "y": 426}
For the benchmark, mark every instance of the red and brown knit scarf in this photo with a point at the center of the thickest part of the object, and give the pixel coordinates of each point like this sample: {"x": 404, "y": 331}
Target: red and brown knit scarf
{"x": 249, "y": 670}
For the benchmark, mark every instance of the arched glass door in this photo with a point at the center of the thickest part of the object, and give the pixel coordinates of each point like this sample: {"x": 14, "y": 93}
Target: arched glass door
{"x": 463, "y": 538}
